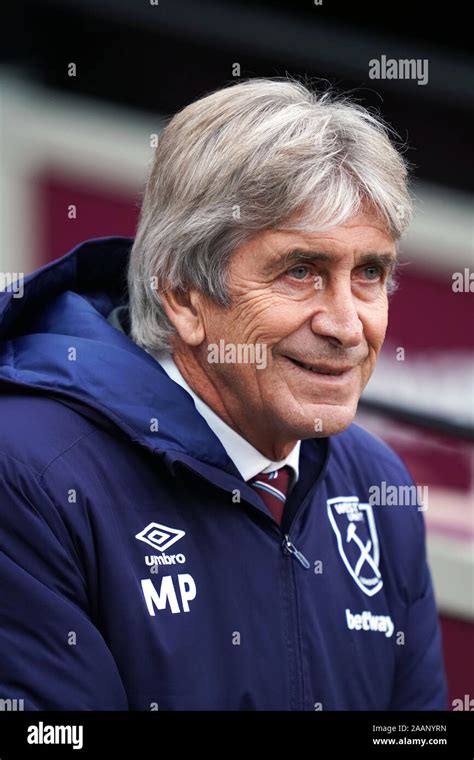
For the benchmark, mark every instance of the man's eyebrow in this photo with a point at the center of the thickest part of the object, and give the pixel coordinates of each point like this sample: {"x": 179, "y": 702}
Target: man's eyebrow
{"x": 386, "y": 260}
{"x": 295, "y": 255}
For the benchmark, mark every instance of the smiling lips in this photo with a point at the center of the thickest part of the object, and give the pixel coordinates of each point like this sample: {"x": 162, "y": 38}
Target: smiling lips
{"x": 321, "y": 369}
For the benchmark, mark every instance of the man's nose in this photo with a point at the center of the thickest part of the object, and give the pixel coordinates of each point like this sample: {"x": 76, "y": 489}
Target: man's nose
{"x": 336, "y": 316}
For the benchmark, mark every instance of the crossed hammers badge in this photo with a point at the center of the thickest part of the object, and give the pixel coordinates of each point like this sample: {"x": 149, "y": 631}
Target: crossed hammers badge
{"x": 357, "y": 541}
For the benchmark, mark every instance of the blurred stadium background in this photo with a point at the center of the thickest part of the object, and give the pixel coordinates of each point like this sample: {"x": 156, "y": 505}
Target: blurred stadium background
{"x": 84, "y": 141}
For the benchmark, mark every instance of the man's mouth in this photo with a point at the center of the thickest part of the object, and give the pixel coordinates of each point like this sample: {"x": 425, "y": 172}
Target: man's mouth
{"x": 321, "y": 369}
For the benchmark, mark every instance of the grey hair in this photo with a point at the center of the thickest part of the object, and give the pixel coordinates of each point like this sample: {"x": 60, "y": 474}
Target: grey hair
{"x": 253, "y": 156}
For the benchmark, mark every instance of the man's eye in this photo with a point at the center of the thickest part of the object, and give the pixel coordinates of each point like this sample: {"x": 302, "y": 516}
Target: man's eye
{"x": 372, "y": 273}
{"x": 299, "y": 272}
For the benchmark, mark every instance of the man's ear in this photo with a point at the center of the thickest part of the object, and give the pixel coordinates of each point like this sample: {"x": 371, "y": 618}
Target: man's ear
{"x": 184, "y": 310}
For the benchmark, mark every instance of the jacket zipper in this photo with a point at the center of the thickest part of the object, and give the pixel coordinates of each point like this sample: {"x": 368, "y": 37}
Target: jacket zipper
{"x": 290, "y": 552}
{"x": 297, "y": 690}
{"x": 289, "y": 548}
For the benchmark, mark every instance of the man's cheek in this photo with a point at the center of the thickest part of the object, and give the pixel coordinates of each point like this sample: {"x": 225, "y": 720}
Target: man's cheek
{"x": 381, "y": 330}
{"x": 375, "y": 327}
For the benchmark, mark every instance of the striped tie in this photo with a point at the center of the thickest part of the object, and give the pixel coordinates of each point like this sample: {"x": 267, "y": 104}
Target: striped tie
{"x": 273, "y": 488}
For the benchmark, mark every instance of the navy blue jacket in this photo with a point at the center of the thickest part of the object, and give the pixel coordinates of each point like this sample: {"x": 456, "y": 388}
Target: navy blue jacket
{"x": 140, "y": 572}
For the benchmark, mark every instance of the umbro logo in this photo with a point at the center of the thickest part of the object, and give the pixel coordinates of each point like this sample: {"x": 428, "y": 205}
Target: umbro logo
{"x": 160, "y": 537}
{"x": 171, "y": 589}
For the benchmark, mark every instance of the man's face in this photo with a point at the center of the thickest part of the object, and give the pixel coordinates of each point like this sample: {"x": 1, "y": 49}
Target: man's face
{"x": 325, "y": 306}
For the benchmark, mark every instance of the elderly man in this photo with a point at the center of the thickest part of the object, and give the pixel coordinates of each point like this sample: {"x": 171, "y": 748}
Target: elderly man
{"x": 185, "y": 522}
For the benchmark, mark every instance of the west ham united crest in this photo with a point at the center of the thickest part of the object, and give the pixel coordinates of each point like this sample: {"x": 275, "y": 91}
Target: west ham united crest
{"x": 357, "y": 541}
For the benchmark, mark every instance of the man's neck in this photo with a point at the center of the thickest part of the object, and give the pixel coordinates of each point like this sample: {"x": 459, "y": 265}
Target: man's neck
{"x": 203, "y": 385}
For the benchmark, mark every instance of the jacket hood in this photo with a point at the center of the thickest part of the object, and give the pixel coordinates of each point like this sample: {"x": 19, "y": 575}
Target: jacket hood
{"x": 56, "y": 340}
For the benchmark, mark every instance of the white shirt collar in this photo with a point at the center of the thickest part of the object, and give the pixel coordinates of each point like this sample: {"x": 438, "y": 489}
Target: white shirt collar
{"x": 248, "y": 460}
